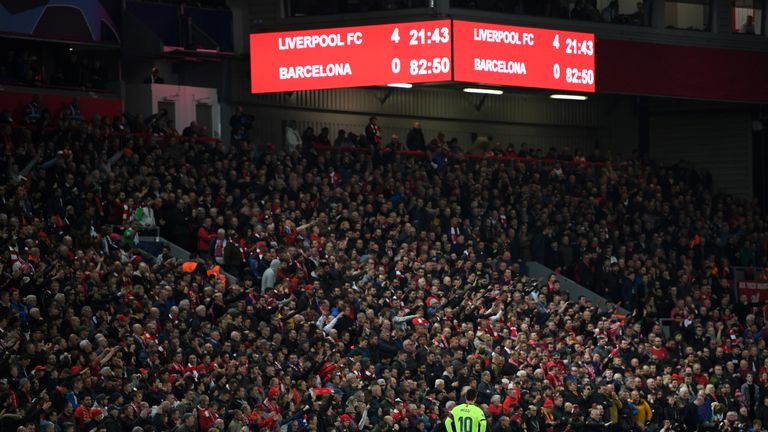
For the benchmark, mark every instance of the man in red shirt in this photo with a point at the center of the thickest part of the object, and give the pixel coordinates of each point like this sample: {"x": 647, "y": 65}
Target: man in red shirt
{"x": 83, "y": 412}
{"x": 206, "y": 417}
{"x": 658, "y": 351}
{"x": 698, "y": 377}
{"x": 204, "y": 237}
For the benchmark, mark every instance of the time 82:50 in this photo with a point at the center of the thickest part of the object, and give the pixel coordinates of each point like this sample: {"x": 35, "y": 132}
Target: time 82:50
{"x": 439, "y": 65}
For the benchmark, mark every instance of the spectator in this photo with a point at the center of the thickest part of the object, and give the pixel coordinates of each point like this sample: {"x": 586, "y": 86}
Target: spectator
{"x": 240, "y": 124}
{"x": 71, "y": 113}
{"x": 415, "y": 139}
{"x": 373, "y": 133}
{"x": 98, "y": 75}
{"x": 217, "y": 246}
{"x": 205, "y": 236}
{"x": 191, "y": 131}
{"x": 324, "y": 137}
{"x": 34, "y": 113}
{"x": 761, "y": 413}
{"x": 269, "y": 277}
{"x": 691, "y": 420}
{"x": 72, "y": 72}
{"x": 750, "y": 394}
{"x": 308, "y": 139}
{"x": 341, "y": 139}
{"x": 154, "y": 77}
{"x": 639, "y": 16}
{"x": 379, "y": 291}
{"x": 293, "y": 141}
{"x": 583, "y": 10}
{"x": 610, "y": 13}
{"x": 749, "y": 25}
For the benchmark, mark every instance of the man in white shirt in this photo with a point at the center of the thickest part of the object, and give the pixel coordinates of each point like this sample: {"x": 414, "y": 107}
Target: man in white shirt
{"x": 293, "y": 140}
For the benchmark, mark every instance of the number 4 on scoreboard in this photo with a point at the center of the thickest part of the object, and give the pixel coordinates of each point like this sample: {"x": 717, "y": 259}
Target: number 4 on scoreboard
{"x": 556, "y": 42}
{"x": 395, "y": 36}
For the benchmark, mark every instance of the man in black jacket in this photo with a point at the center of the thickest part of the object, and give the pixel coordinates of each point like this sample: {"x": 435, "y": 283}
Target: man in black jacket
{"x": 387, "y": 347}
{"x": 533, "y": 422}
{"x": 111, "y": 421}
{"x": 415, "y": 139}
{"x": 761, "y": 413}
{"x": 594, "y": 423}
{"x": 505, "y": 425}
{"x": 691, "y": 414}
{"x": 485, "y": 390}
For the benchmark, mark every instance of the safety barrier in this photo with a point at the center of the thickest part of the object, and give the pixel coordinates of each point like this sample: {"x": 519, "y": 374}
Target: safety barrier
{"x": 471, "y": 156}
{"x": 176, "y": 251}
{"x": 574, "y": 290}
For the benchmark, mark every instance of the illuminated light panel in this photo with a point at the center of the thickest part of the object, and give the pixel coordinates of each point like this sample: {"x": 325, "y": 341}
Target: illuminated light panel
{"x": 483, "y": 91}
{"x": 568, "y": 97}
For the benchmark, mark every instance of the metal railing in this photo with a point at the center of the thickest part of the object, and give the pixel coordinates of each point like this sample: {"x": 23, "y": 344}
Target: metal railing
{"x": 177, "y": 251}
{"x": 573, "y": 289}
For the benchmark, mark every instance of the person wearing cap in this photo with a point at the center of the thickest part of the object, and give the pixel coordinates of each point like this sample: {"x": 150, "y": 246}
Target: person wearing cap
{"x": 558, "y": 410}
{"x": 547, "y": 417}
{"x": 346, "y": 424}
{"x": 100, "y": 401}
{"x": 96, "y": 421}
{"x": 466, "y": 417}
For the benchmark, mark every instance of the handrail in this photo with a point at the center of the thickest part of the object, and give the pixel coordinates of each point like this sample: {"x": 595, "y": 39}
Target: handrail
{"x": 120, "y": 134}
{"x": 179, "y": 252}
{"x": 478, "y": 156}
{"x": 573, "y": 288}
{"x": 44, "y": 86}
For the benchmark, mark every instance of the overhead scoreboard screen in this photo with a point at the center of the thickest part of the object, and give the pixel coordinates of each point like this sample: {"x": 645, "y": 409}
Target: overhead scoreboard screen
{"x": 422, "y": 52}
{"x": 414, "y": 52}
{"x": 523, "y": 56}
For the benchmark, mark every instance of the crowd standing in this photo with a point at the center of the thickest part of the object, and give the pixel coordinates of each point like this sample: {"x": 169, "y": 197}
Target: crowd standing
{"x": 371, "y": 290}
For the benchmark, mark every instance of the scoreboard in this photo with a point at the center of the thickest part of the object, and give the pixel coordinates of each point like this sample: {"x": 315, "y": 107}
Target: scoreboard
{"x": 415, "y": 52}
{"x": 422, "y": 52}
{"x": 523, "y": 57}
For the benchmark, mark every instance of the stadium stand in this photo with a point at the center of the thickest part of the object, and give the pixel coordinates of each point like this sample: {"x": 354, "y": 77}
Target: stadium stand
{"x": 375, "y": 286}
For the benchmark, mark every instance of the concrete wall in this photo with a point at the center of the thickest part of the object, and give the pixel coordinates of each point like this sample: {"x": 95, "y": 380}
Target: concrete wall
{"x": 144, "y": 99}
{"x": 684, "y": 15}
{"x": 719, "y": 142}
{"x": 270, "y": 122}
{"x": 522, "y": 117}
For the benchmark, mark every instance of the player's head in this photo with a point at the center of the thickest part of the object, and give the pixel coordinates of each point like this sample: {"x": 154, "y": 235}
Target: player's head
{"x": 470, "y": 395}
